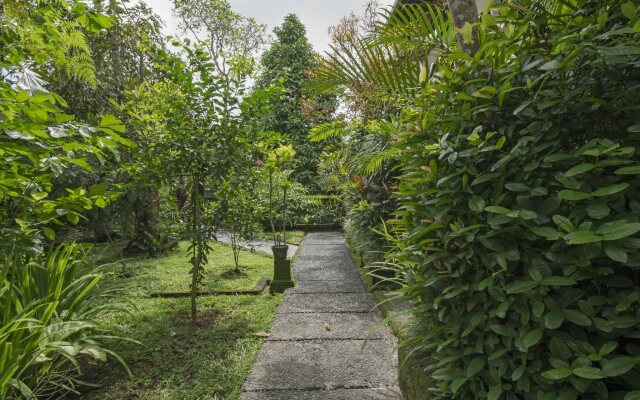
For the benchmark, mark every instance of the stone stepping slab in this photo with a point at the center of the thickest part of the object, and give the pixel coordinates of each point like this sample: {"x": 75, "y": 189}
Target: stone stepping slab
{"x": 327, "y": 286}
{"x": 324, "y": 252}
{"x": 328, "y": 262}
{"x": 327, "y": 303}
{"x": 341, "y": 326}
{"x": 340, "y": 394}
{"x": 313, "y": 365}
{"x": 318, "y": 272}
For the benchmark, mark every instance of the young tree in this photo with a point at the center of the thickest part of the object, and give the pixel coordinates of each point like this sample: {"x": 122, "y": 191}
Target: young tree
{"x": 238, "y": 211}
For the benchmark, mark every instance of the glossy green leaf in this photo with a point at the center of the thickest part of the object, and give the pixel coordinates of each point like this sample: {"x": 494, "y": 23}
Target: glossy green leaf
{"x": 588, "y": 373}
{"x": 554, "y": 319}
{"x": 610, "y": 190}
{"x": 564, "y": 223}
{"x": 573, "y": 195}
{"x": 557, "y": 374}
{"x": 533, "y": 338}
{"x": 619, "y": 365}
{"x": 558, "y": 281}
{"x": 616, "y": 252}
{"x": 580, "y": 169}
{"x": 577, "y": 317}
{"x": 521, "y": 287}
{"x": 582, "y": 237}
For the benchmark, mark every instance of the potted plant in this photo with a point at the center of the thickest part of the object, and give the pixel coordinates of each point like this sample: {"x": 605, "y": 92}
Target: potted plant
{"x": 276, "y": 162}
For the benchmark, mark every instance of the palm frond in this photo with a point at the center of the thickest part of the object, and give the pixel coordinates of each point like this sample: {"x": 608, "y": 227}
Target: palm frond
{"x": 370, "y": 163}
{"x": 326, "y": 130}
{"x": 390, "y": 59}
{"x": 417, "y": 27}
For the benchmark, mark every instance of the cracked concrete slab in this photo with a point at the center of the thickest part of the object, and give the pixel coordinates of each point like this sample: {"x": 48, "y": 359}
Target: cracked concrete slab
{"x": 307, "y": 365}
{"x": 324, "y": 250}
{"x": 328, "y": 286}
{"x": 327, "y": 303}
{"x": 340, "y": 394}
{"x": 361, "y": 326}
{"x": 318, "y": 273}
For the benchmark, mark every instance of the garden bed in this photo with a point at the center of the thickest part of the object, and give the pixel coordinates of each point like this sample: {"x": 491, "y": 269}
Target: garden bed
{"x": 175, "y": 358}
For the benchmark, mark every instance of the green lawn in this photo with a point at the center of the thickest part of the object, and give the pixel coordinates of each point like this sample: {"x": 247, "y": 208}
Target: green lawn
{"x": 178, "y": 360}
{"x": 170, "y": 272}
{"x": 293, "y": 237}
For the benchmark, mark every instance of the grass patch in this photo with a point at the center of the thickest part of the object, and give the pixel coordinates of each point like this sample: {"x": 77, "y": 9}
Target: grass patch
{"x": 170, "y": 272}
{"x": 293, "y": 237}
{"x": 179, "y": 360}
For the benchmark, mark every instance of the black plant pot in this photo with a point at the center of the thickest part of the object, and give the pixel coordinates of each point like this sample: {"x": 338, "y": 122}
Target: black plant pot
{"x": 280, "y": 252}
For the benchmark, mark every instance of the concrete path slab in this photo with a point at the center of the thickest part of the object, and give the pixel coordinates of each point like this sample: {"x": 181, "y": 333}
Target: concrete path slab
{"x": 340, "y": 394}
{"x": 323, "y": 344}
{"x": 327, "y": 286}
{"x": 327, "y": 303}
{"x": 320, "y": 273}
{"x": 362, "y": 326}
{"x": 309, "y": 365}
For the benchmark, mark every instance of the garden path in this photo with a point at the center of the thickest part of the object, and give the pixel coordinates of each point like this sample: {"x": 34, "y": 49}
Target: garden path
{"x": 258, "y": 245}
{"x": 322, "y": 343}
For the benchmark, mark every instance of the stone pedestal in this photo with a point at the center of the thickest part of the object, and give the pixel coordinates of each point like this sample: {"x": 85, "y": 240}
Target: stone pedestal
{"x": 282, "y": 279}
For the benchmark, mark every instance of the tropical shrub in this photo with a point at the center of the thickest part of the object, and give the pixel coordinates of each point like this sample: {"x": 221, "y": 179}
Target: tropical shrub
{"x": 49, "y": 306}
{"x": 519, "y": 209}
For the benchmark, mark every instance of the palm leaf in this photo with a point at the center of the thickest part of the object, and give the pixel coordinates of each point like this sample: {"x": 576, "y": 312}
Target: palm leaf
{"x": 388, "y": 60}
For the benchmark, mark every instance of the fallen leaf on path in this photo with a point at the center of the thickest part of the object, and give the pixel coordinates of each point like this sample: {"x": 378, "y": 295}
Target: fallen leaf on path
{"x": 328, "y": 386}
{"x": 327, "y": 327}
{"x": 262, "y": 334}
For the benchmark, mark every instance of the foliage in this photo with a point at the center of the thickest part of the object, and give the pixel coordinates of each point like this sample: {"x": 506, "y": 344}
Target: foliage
{"x": 222, "y": 345}
{"x": 289, "y": 61}
{"x": 362, "y": 169}
{"x": 40, "y": 141}
{"x": 49, "y": 299}
{"x": 233, "y": 41}
{"x": 201, "y": 125}
{"x": 517, "y": 231}
{"x": 238, "y": 212}
{"x": 278, "y": 178}
{"x": 48, "y": 321}
{"x": 318, "y": 210}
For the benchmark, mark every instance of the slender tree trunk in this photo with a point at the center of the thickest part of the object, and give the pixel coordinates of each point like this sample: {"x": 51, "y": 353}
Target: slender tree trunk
{"x": 235, "y": 247}
{"x": 197, "y": 247}
{"x": 463, "y": 11}
{"x": 115, "y": 46}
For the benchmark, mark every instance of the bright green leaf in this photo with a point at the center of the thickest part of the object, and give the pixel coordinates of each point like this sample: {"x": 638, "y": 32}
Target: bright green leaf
{"x": 573, "y": 195}
{"x": 610, "y": 190}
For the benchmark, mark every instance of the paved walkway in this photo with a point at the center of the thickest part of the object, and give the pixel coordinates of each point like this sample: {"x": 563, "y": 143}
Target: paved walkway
{"x": 318, "y": 347}
{"x": 258, "y": 245}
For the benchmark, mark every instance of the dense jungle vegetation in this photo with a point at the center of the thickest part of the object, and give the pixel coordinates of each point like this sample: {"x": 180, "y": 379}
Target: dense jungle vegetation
{"x": 483, "y": 162}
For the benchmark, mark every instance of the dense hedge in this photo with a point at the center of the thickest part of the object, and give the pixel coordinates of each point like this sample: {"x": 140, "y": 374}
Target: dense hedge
{"x": 520, "y": 207}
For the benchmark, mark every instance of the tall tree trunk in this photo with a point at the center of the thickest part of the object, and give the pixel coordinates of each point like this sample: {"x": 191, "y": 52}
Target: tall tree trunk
{"x": 463, "y": 11}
